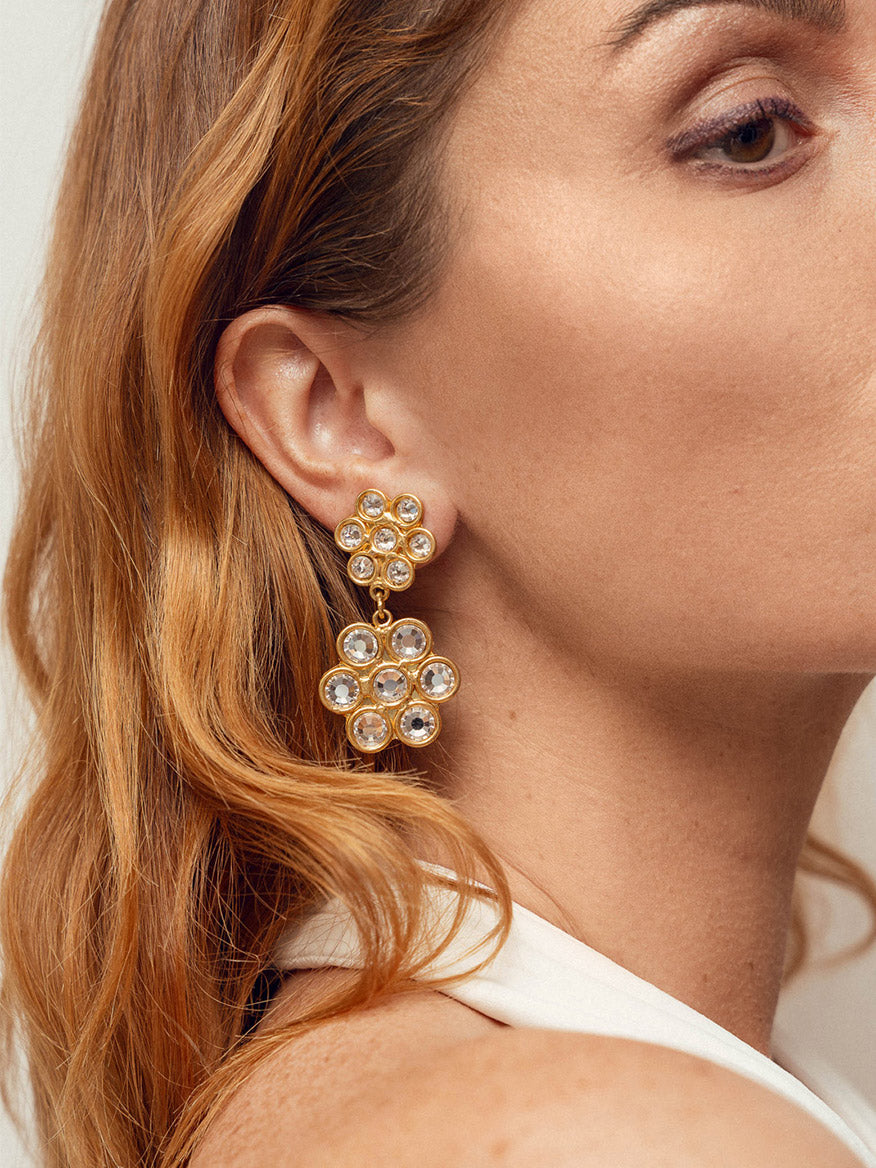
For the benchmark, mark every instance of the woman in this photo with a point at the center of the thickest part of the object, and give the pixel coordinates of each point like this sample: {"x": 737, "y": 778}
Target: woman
{"x": 593, "y": 283}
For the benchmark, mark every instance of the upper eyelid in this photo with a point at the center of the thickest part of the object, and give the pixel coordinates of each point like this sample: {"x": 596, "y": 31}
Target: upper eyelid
{"x": 698, "y": 135}
{"x": 743, "y": 61}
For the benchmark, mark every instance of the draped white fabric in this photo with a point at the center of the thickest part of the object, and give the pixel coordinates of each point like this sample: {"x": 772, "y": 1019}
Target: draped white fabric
{"x": 544, "y": 977}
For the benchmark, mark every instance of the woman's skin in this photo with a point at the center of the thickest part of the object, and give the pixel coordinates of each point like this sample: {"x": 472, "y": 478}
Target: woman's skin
{"x": 641, "y": 414}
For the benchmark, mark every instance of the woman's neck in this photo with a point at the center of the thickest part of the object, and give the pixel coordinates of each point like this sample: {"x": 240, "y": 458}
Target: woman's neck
{"x": 660, "y": 821}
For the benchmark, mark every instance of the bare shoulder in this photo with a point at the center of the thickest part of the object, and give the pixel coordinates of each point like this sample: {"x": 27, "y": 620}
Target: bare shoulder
{"x": 301, "y": 1094}
{"x": 427, "y": 1082}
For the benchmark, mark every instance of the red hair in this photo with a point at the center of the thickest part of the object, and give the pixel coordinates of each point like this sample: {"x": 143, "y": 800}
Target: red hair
{"x": 171, "y": 609}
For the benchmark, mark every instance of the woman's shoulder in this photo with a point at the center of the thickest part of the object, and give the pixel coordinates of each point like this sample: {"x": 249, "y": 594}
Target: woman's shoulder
{"x": 302, "y": 1089}
{"x": 423, "y": 1080}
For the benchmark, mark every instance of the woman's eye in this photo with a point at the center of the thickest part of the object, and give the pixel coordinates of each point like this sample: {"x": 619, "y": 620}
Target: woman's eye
{"x": 757, "y": 138}
{"x": 754, "y": 140}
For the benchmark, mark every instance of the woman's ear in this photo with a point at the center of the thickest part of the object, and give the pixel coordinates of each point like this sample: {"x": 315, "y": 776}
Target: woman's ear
{"x": 290, "y": 383}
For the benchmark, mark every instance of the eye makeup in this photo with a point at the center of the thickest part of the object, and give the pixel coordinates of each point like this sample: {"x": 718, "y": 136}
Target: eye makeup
{"x": 710, "y": 132}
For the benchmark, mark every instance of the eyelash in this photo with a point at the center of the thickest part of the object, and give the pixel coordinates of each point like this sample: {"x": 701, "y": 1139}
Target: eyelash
{"x": 716, "y": 132}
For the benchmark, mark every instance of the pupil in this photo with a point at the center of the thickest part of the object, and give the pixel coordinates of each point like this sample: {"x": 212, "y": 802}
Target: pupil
{"x": 752, "y": 142}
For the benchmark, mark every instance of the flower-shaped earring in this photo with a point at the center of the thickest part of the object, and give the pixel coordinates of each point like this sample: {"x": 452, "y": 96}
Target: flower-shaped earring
{"x": 389, "y": 683}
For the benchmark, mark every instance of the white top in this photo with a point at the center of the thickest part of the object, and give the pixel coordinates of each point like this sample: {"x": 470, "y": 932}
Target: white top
{"x": 545, "y": 977}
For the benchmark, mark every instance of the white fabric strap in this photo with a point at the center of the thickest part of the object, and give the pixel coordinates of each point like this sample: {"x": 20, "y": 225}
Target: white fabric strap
{"x": 543, "y": 977}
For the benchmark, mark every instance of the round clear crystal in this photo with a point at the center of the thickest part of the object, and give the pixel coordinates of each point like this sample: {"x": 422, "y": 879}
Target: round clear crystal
{"x": 390, "y": 684}
{"x": 408, "y": 642}
{"x": 437, "y": 679}
{"x": 416, "y": 724}
{"x": 342, "y": 691}
{"x": 398, "y": 571}
{"x": 370, "y": 729}
{"x": 408, "y": 509}
{"x": 351, "y": 535}
{"x": 360, "y": 645}
{"x": 384, "y": 539}
{"x": 362, "y": 567}
{"x": 420, "y": 545}
{"x": 372, "y": 504}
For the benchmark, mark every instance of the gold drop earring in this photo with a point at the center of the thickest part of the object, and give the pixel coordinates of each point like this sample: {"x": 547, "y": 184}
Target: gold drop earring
{"x": 388, "y": 684}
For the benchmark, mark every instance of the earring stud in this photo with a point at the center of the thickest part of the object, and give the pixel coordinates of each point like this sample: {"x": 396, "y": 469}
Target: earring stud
{"x": 389, "y": 684}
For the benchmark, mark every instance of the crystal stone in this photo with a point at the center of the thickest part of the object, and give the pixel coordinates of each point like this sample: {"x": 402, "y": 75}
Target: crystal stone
{"x": 362, "y": 567}
{"x": 437, "y": 679}
{"x": 351, "y": 535}
{"x": 342, "y": 691}
{"x": 420, "y": 545}
{"x": 372, "y": 504}
{"x": 408, "y": 642}
{"x": 384, "y": 539}
{"x": 407, "y": 509}
{"x": 416, "y": 724}
{"x": 390, "y": 685}
{"x": 360, "y": 645}
{"x": 370, "y": 729}
{"x": 398, "y": 572}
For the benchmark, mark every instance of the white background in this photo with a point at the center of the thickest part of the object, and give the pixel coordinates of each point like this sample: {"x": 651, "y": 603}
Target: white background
{"x": 45, "y": 46}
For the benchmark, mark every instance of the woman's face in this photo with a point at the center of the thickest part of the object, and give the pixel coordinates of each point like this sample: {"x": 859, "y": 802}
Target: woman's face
{"x": 649, "y": 378}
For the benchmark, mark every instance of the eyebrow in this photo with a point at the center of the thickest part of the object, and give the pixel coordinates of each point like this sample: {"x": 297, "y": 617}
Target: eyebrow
{"x": 825, "y": 15}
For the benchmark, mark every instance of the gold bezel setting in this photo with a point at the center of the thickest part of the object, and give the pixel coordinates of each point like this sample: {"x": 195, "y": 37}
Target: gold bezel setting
{"x": 363, "y": 695}
{"x": 369, "y": 717}
{"x": 386, "y": 543}
{"x": 451, "y": 679}
{"x": 380, "y": 533}
{"x": 412, "y": 724}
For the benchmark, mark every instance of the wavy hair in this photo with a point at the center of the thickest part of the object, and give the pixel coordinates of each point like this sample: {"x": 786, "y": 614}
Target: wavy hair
{"x": 171, "y": 609}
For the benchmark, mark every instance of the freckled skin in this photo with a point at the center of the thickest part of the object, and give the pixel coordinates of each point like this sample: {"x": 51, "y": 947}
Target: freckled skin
{"x": 665, "y": 382}
{"x": 650, "y": 392}
{"x": 646, "y": 396}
